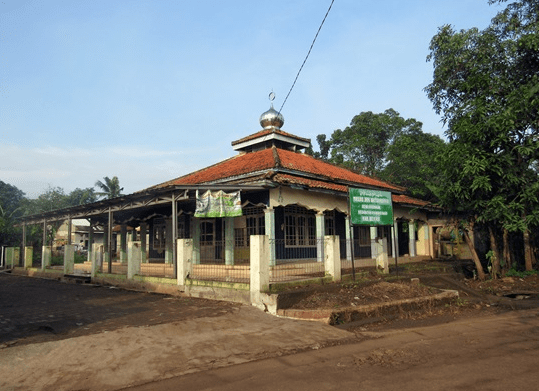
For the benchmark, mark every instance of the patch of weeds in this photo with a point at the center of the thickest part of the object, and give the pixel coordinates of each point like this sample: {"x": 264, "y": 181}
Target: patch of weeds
{"x": 521, "y": 274}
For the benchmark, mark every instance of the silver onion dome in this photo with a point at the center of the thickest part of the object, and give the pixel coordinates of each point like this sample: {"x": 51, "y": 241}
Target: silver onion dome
{"x": 271, "y": 119}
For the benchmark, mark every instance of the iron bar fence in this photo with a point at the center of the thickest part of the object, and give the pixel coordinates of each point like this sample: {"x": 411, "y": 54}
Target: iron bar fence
{"x": 296, "y": 262}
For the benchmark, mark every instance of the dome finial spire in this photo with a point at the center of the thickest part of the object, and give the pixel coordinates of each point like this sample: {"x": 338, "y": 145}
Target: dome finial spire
{"x": 271, "y": 119}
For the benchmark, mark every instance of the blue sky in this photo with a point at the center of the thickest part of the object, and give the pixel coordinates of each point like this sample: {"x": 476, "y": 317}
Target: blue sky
{"x": 152, "y": 90}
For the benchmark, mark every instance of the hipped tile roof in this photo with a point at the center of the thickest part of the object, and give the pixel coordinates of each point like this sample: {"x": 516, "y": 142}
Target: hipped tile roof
{"x": 290, "y": 166}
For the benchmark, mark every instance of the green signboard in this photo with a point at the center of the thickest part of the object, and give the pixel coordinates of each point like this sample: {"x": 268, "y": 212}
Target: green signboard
{"x": 371, "y": 207}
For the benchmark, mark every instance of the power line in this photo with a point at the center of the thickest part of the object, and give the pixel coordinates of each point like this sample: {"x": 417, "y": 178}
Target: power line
{"x": 307, "y": 56}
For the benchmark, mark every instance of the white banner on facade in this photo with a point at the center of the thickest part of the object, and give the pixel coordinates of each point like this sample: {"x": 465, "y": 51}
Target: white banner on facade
{"x": 218, "y": 204}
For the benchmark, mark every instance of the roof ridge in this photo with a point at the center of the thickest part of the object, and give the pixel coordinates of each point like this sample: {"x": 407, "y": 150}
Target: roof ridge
{"x": 276, "y": 157}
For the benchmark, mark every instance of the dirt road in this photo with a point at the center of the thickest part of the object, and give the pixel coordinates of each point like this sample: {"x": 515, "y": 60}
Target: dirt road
{"x": 492, "y": 353}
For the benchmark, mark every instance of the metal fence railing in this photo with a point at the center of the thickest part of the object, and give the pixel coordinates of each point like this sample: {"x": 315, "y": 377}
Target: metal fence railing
{"x": 213, "y": 265}
{"x": 296, "y": 262}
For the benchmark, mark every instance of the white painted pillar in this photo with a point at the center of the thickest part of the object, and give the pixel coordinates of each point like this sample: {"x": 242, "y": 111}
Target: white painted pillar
{"x": 185, "y": 256}
{"x": 411, "y": 234}
{"x": 133, "y": 259}
{"x": 374, "y": 237}
{"x": 69, "y": 259}
{"x": 332, "y": 251}
{"x": 382, "y": 263}
{"x": 229, "y": 240}
{"x": 269, "y": 222}
{"x": 259, "y": 268}
{"x": 320, "y": 234}
{"x": 144, "y": 242}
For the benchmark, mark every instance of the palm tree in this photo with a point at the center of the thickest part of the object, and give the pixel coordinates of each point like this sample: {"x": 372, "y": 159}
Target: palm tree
{"x": 110, "y": 187}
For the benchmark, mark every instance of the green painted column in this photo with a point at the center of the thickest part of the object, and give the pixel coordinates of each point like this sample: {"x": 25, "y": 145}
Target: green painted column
{"x": 269, "y": 222}
{"x": 349, "y": 239}
{"x": 169, "y": 243}
{"x": 46, "y": 254}
{"x": 411, "y": 233}
{"x": 10, "y": 257}
{"x": 123, "y": 243}
{"x": 229, "y": 240}
{"x": 320, "y": 233}
{"x": 196, "y": 241}
{"x": 144, "y": 242}
{"x": 28, "y": 257}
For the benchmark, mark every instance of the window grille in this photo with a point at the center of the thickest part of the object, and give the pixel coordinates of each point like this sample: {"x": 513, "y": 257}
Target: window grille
{"x": 300, "y": 227}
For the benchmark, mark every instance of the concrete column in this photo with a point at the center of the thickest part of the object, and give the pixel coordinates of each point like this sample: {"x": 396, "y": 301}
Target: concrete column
{"x": 373, "y": 231}
{"x": 123, "y": 243}
{"x": 395, "y": 239}
{"x": 185, "y": 256}
{"x": 382, "y": 264}
{"x": 97, "y": 259}
{"x": 28, "y": 257}
{"x": 69, "y": 229}
{"x": 90, "y": 243}
{"x": 69, "y": 259}
{"x": 320, "y": 233}
{"x": 9, "y": 257}
{"x": 23, "y": 245}
{"x": 259, "y": 268}
{"x": 269, "y": 222}
{"x": 133, "y": 259}
{"x": 168, "y": 242}
{"x": 46, "y": 255}
{"x": 143, "y": 242}
{"x": 332, "y": 263}
{"x": 16, "y": 256}
{"x": 229, "y": 240}
{"x": 411, "y": 233}
{"x": 196, "y": 241}
{"x": 348, "y": 236}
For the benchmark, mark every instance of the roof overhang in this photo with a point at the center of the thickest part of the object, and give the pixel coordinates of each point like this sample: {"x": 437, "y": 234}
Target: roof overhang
{"x": 142, "y": 199}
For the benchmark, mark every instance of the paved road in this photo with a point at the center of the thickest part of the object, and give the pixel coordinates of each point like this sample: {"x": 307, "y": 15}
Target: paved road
{"x": 493, "y": 353}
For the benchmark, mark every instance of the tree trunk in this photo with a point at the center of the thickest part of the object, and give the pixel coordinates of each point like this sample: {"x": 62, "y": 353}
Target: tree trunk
{"x": 528, "y": 255}
{"x": 506, "y": 251}
{"x": 495, "y": 258}
{"x": 475, "y": 257}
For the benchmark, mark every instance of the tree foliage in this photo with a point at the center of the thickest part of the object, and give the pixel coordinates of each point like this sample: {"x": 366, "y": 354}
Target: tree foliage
{"x": 110, "y": 188}
{"x": 387, "y": 146}
{"x": 486, "y": 86}
{"x": 363, "y": 146}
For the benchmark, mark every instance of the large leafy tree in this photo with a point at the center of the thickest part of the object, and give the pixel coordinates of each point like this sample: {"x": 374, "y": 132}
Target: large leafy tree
{"x": 412, "y": 163}
{"x": 10, "y": 208}
{"x": 110, "y": 188}
{"x": 363, "y": 146}
{"x": 486, "y": 86}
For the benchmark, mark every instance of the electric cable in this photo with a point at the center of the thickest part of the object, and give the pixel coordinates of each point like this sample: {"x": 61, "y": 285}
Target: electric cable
{"x": 307, "y": 56}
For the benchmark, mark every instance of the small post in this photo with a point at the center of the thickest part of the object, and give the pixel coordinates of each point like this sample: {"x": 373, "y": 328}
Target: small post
{"x": 133, "y": 259}
{"x": 185, "y": 255}
{"x": 69, "y": 259}
{"x": 28, "y": 256}
{"x": 259, "y": 268}
{"x": 332, "y": 251}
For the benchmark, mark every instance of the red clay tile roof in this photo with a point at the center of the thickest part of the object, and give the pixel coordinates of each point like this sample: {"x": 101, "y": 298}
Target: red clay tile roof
{"x": 265, "y": 132}
{"x": 404, "y": 199}
{"x": 308, "y": 164}
{"x": 274, "y": 159}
